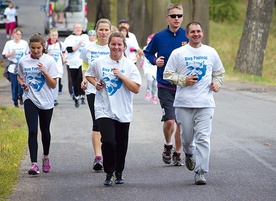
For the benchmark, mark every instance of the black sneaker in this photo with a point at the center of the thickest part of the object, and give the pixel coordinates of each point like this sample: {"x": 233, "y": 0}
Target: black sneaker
{"x": 190, "y": 162}
{"x": 15, "y": 103}
{"x": 167, "y": 154}
{"x": 77, "y": 103}
{"x": 20, "y": 100}
{"x": 177, "y": 161}
{"x": 119, "y": 178}
{"x": 82, "y": 100}
{"x": 109, "y": 179}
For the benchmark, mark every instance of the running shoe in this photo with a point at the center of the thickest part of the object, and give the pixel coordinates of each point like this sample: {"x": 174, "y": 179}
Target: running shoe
{"x": 167, "y": 154}
{"x": 98, "y": 163}
{"x": 177, "y": 161}
{"x": 34, "y": 170}
{"x": 199, "y": 178}
{"x": 119, "y": 178}
{"x": 46, "y": 165}
{"x": 190, "y": 162}
{"x": 109, "y": 179}
{"x": 154, "y": 100}
{"x": 147, "y": 97}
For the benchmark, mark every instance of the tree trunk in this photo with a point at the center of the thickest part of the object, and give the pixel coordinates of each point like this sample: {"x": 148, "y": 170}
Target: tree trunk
{"x": 92, "y": 11}
{"x": 254, "y": 37}
{"x": 197, "y": 10}
{"x": 103, "y": 10}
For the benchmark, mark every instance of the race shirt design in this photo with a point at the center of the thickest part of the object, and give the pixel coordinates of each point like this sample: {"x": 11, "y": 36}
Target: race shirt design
{"x": 36, "y": 79}
{"x": 112, "y": 82}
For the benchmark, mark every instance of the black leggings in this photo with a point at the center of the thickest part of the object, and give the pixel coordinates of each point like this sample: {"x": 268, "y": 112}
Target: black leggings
{"x": 76, "y": 75}
{"x": 32, "y": 112}
{"x": 91, "y": 100}
{"x": 114, "y": 137}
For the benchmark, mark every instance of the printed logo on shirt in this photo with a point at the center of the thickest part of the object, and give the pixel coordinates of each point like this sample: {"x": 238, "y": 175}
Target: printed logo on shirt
{"x": 112, "y": 82}
{"x": 36, "y": 79}
{"x": 197, "y": 66}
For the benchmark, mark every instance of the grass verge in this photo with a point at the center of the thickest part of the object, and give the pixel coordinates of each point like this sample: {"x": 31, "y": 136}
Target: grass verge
{"x": 13, "y": 140}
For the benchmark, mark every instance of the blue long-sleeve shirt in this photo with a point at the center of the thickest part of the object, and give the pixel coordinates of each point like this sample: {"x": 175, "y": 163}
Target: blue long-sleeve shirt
{"x": 163, "y": 43}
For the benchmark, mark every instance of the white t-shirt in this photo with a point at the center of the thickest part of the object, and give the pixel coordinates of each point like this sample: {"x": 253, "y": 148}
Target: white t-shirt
{"x": 148, "y": 68}
{"x": 39, "y": 92}
{"x": 10, "y": 13}
{"x": 131, "y": 43}
{"x": 114, "y": 101}
{"x": 89, "y": 53}
{"x": 21, "y": 49}
{"x": 55, "y": 50}
{"x": 73, "y": 58}
{"x": 202, "y": 61}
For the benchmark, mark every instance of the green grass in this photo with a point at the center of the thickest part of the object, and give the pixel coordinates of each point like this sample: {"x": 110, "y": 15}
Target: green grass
{"x": 225, "y": 38}
{"x": 13, "y": 141}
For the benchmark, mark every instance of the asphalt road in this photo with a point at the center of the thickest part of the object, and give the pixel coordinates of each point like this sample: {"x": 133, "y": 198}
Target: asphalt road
{"x": 242, "y": 165}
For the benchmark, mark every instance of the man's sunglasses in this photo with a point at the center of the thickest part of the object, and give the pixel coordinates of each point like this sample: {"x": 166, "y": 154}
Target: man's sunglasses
{"x": 174, "y": 16}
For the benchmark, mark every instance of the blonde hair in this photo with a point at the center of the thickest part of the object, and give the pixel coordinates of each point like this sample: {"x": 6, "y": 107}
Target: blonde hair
{"x": 173, "y": 6}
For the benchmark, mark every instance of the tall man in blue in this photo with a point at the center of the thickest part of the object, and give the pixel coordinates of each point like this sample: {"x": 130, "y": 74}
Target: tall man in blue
{"x": 158, "y": 52}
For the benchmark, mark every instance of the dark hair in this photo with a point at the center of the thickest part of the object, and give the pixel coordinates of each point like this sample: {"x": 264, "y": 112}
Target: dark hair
{"x": 124, "y": 28}
{"x": 38, "y": 38}
{"x": 123, "y": 21}
{"x": 192, "y": 23}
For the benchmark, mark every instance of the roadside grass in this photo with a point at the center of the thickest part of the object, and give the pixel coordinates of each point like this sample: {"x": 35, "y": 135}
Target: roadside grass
{"x": 224, "y": 37}
{"x": 13, "y": 141}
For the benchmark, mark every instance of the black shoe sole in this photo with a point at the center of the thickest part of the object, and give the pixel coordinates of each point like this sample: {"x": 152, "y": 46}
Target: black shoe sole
{"x": 98, "y": 167}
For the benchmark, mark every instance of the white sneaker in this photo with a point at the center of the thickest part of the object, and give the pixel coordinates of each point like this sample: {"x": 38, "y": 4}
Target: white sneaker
{"x": 199, "y": 178}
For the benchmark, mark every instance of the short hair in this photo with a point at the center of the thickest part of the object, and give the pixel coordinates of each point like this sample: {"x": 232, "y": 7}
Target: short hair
{"x": 192, "y": 23}
{"x": 123, "y": 21}
{"x": 172, "y": 6}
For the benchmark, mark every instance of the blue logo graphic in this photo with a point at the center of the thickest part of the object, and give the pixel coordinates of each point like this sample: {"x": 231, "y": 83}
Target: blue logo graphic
{"x": 36, "y": 80}
{"x": 198, "y": 69}
{"x": 112, "y": 85}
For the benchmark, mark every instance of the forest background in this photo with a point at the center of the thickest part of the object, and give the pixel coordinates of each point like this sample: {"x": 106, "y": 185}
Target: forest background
{"x": 223, "y": 22}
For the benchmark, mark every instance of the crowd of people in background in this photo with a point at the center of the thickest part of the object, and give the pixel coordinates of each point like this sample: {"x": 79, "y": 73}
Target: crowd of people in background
{"x": 103, "y": 69}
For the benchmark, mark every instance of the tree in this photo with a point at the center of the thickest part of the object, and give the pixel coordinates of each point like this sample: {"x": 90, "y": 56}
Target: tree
{"x": 254, "y": 37}
{"x": 197, "y": 10}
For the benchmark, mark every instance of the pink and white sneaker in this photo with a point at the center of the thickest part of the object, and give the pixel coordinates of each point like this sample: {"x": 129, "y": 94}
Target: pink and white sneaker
{"x": 154, "y": 100}
{"x": 46, "y": 165}
{"x": 34, "y": 170}
{"x": 148, "y": 96}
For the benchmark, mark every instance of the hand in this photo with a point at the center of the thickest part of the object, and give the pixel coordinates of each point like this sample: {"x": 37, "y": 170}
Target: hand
{"x": 100, "y": 85}
{"x": 84, "y": 84}
{"x": 191, "y": 80}
{"x": 160, "y": 61}
{"x": 41, "y": 67}
{"x": 214, "y": 87}
{"x": 24, "y": 87}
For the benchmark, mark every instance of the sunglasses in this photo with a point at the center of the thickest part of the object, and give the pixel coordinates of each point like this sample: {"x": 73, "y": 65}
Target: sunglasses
{"x": 174, "y": 15}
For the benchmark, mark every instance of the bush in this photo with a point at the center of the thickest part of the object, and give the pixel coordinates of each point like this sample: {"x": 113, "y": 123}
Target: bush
{"x": 223, "y": 10}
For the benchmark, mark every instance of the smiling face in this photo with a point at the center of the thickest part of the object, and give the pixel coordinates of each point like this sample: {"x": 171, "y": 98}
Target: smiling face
{"x": 194, "y": 34}
{"x": 77, "y": 29}
{"x": 117, "y": 46}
